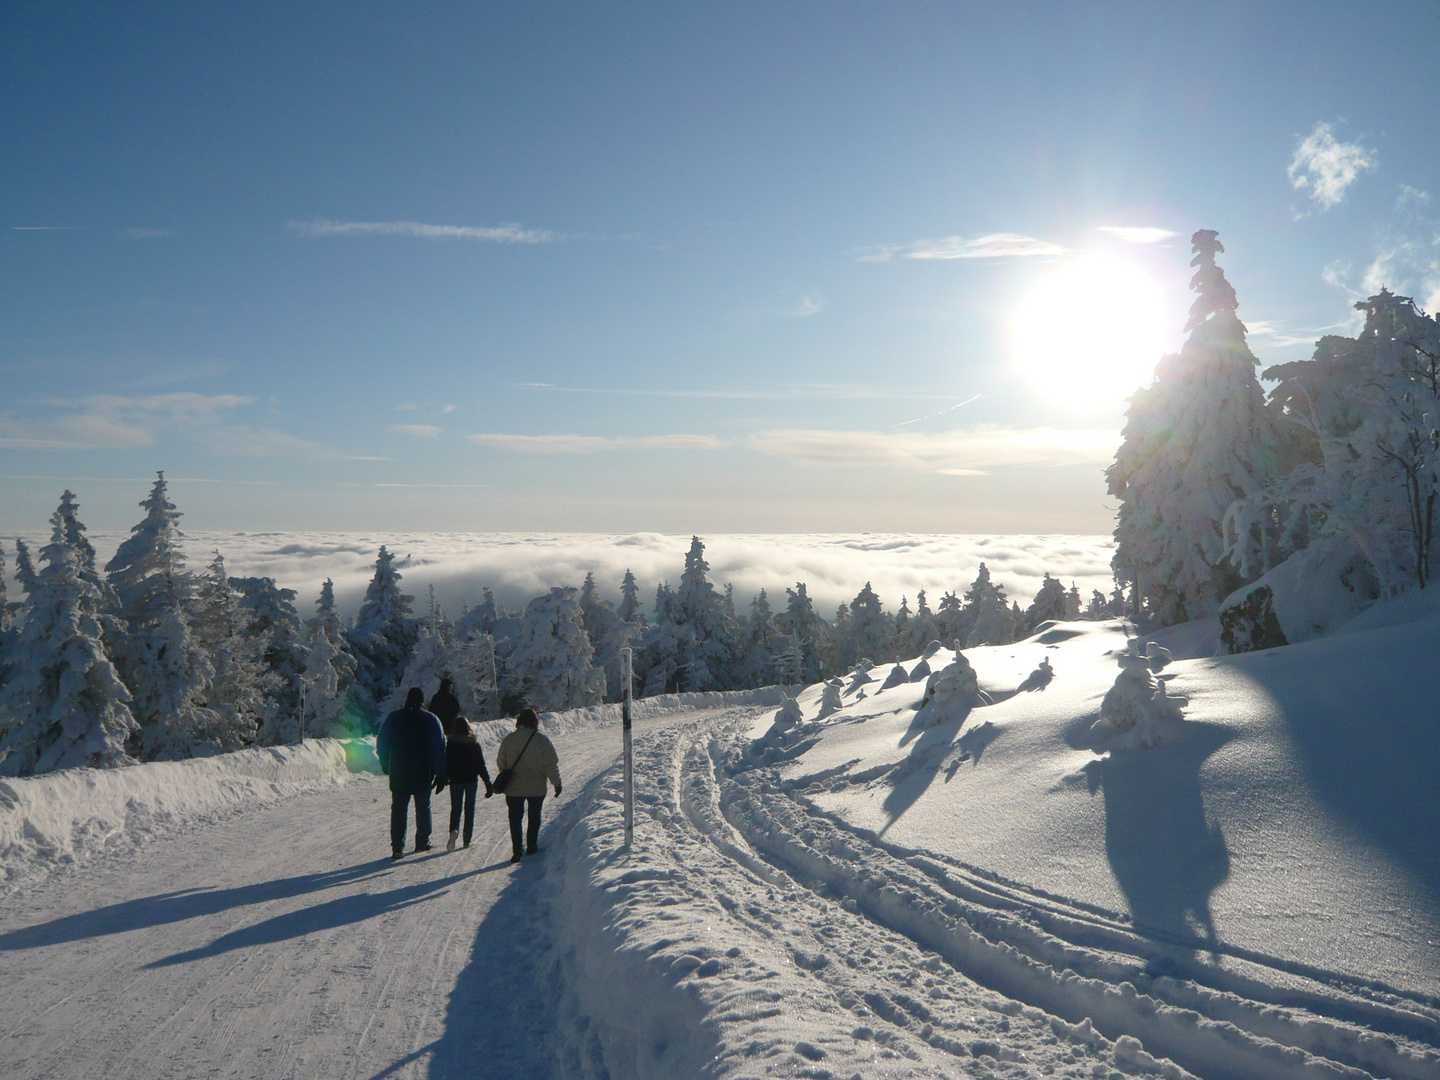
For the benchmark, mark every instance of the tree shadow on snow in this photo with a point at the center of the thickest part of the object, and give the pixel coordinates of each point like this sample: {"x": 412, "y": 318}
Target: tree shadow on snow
{"x": 1369, "y": 745}
{"x": 341, "y": 911}
{"x": 912, "y": 777}
{"x": 1167, "y": 856}
{"x": 176, "y": 906}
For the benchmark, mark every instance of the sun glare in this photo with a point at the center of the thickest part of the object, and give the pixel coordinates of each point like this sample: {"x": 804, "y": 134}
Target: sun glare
{"x": 1090, "y": 331}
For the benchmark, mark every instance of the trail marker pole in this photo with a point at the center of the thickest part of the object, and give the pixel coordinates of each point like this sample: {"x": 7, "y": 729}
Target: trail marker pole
{"x": 628, "y": 678}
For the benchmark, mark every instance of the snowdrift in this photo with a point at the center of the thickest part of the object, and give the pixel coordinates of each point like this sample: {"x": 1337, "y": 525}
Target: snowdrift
{"x": 64, "y": 819}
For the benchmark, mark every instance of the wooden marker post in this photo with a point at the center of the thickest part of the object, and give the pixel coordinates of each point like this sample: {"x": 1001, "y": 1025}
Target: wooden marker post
{"x": 626, "y": 675}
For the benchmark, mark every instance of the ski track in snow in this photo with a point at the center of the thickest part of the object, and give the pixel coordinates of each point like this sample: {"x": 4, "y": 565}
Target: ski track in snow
{"x": 748, "y": 934}
{"x": 811, "y": 949}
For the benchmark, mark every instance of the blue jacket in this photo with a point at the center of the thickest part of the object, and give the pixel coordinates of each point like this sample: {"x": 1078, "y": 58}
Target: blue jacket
{"x": 411, "y": 749}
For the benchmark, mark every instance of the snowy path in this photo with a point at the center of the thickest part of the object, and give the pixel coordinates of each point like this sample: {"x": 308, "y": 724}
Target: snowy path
{"x": 285, "y": 943}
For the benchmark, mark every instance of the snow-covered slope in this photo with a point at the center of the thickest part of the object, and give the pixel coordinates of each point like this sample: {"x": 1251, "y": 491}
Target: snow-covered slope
{"x": 1258, "y": 895}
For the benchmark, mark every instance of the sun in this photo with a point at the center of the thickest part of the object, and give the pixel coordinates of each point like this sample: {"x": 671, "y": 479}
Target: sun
{"x": 1089, "y": 332}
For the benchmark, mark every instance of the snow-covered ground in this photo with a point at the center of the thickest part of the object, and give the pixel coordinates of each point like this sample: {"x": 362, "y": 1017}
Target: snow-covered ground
{"x": 1006, "y": 891}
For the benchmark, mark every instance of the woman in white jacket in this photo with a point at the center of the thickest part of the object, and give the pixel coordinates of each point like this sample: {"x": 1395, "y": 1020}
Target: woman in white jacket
{"x": 532, "y": 760}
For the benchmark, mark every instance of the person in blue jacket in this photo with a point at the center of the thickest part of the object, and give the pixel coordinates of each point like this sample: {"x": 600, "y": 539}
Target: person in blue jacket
{"x": 411, "y": 749}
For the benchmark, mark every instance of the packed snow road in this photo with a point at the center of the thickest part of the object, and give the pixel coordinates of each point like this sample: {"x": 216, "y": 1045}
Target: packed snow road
{"x": 285, "y": 943}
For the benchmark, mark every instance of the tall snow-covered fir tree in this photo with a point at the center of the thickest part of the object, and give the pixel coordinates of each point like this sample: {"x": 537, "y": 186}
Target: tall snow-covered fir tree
{"x": 1195, "y": 440}
{"x": 707, "y": 638}
{"x": 235, "y": 700}
{"x": 329, "y": 671}
{"x": 807, "y": 631}
{"x": 1370, "y": 406}
{"x": 985, "y": 617}
{"x": 763, "y": 644}
{"x": 608, "y": 634}
{"x": 630, "y": 609}
{"x": 165, "y": 668}
{"x": 384, "y": 632}
{"x": 923, "y": 627}
{"x": 273, "y": 626}
{"x": 1049, "y": 603}
{"x": 65, "y": 705}
{"x": 24, "y": 566}
{"x": 553, "y": 658}
{"x": 869, "y": 633}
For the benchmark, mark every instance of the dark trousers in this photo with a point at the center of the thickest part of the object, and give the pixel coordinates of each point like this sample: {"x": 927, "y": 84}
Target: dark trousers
{"x": 463, "y": 795}
{"x": 400, "y": 809}
{"x": 516, "y": 805}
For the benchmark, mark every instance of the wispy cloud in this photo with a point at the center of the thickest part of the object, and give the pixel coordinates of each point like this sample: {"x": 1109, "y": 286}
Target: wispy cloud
{"x": 117, "y": 422}
{"x": 422, "y": 431}
{"x": 407, "y": 406}
{"x": 1002, "y": 245}
{"x": 1282, "y": 336}
{"x": 1137, "y": 234}
{"x": 809, "y": 305}
{"x": 592, "y": 444}
{"x": 41, "y": 228}
{"x": 141, "y": 233}
{"x": 489, "y": 234}
{"x": 1326, "y": 167}
{"x": 972, "y": 452}
{"x": 820, "y": 391}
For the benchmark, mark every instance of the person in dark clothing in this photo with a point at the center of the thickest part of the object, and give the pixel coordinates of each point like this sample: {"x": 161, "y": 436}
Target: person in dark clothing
{"x": 446, "y": 706}
{"x": 464, "y": 769}
{"x": 411, "y": 749}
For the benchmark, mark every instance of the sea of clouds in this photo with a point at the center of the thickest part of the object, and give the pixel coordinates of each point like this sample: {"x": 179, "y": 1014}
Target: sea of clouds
{"x": 518, "y": 566}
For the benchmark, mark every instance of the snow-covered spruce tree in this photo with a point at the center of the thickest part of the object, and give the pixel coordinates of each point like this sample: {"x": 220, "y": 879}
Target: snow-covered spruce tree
{"x": 657, "y": 660}
{"x": 923, "y": 628}
{"x": 949, "y": 620}
{"x": 630, "y": 609}
{"x": 1049, "y": 603}
{"x": 1195, "y": 440}
{"x": 5, "y": 612}
{"x": 69, "y": 511}
{"x": 165, "y": 668}
{"x": 65, "y": 706}
{"x": 985, "y": 618}
{"x": 383, "y": 634}
{"x": 329, "y": 672}
{"x": 1371, "y": 406}
{"x": 235, "y": 701}
{"x": 1073, "y": 603}
{"x": 480, "y": 619}
{"x": 710, "y": 639}
{"x": 24, "y": 567}
{"x": 763, "y": 643}
{"x": 608, "y": 634}
{"x": 869, "y": 633}
{"x": 553, "y": 658}
{"x": 807, "y": 631}
{"x": 903, "y": 619}
{"x": 273, "y": 626}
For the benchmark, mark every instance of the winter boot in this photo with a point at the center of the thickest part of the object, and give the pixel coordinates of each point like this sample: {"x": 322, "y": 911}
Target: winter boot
{"x": 454, "y": 835}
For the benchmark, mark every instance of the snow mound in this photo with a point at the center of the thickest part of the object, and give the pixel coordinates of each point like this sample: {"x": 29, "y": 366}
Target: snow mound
{"x": 788, "y": 715}
{"x": 897, "y": 677}
{"x": 931, "y": 649}
{"x": 920, "y": 671}
{"x": 64, "y": 819}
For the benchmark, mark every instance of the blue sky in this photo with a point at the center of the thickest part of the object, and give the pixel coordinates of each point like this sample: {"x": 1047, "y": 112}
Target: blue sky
{"x": 724, "y": 268}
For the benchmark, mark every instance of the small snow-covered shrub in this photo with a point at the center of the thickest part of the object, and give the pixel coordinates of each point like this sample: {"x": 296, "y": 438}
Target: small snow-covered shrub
{"x": 830, "y": 699}
{"x": 1135, "y": 709}
{"x": 931, "y": 649}
{"x": 920, "y": 671}
{"x": 952, "y": 693}
{"x": 788, "y": 715}
{"x": 896, "y": 677}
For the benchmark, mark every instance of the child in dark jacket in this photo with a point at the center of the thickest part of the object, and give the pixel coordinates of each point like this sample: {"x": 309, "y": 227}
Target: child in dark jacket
{"x": 464, "y": 767}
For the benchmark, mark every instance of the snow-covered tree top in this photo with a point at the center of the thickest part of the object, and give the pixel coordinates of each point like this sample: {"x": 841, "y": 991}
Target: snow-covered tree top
{"x": 1215, "y": 293}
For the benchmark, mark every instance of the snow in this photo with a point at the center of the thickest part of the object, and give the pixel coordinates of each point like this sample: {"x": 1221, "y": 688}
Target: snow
{"x": 1256, "y": 893}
